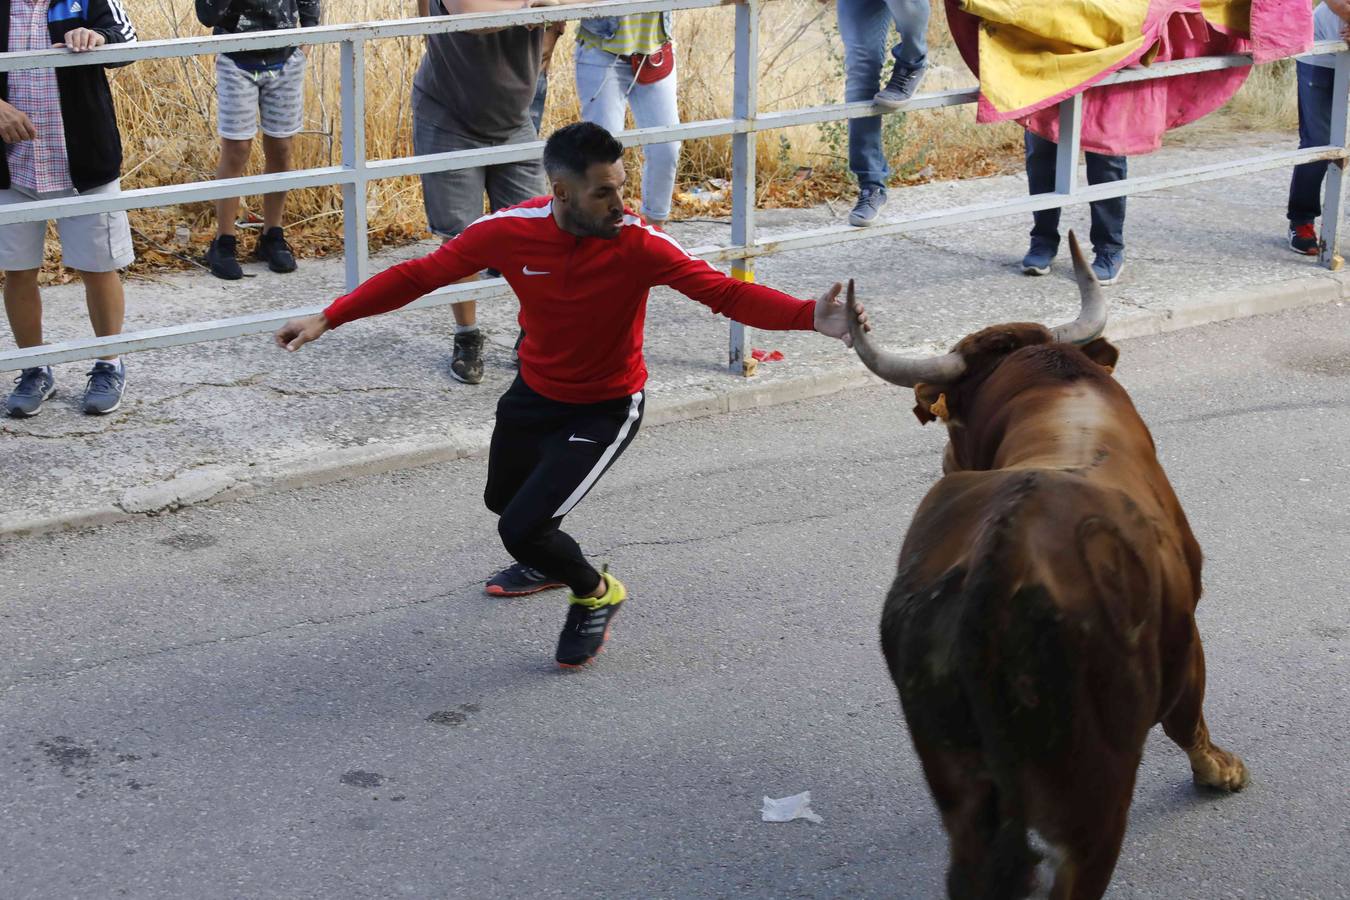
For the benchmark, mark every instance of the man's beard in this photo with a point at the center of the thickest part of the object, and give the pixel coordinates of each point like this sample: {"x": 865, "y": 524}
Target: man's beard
{"x": 590, "y": 227}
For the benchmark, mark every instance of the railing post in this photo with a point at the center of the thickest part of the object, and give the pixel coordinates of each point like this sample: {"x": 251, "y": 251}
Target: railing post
{"x": 745, "y": 107}
{"x": 1066, "y": 151}
{"x": 355, "y": 246}
{"x": 1329, "y": 248}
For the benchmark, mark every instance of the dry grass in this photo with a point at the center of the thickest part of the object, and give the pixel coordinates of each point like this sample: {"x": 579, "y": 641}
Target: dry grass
{"x": 167, "y": 113}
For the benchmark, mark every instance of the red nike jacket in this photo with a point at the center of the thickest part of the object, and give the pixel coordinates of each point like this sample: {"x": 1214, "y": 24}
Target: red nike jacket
{"x": 583, "y": 301}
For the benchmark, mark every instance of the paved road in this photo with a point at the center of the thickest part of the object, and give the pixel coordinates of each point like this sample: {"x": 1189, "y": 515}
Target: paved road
{"x": 305, "y": 695}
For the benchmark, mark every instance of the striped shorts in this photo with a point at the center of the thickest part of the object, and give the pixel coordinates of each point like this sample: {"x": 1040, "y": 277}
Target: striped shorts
{"x": 241, "y": 95}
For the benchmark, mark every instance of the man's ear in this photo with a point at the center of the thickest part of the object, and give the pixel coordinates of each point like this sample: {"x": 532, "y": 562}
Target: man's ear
{"x": 1102, "y": 352}
{"x": 931, "y": 403}
{"x": 560, "y": 189}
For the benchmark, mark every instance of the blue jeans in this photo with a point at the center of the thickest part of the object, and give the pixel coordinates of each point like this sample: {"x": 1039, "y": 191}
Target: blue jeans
{"x": 1314, "y": 130}
{"x": 605, "y": 85}
{"x": 1108, "y": 216}
{"x": 864, "y": 25}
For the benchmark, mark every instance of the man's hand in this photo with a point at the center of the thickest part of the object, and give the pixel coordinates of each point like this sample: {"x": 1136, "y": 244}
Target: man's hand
{"x": 298, "y": 332}
{"x": 15, "y": 126}
{"x": 832, "y": 317}
{"x": 82, "y": 39}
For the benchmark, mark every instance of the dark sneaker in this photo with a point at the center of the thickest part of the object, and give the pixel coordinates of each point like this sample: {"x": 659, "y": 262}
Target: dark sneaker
{"x": 1303, "y": 239}
{"x": 870, "y": 202}
{"x": 221, "y": 258}
{"x": 103, "y": 394}
{"x": 273, "y": 250}
{"x": 587, "y": 626}
{"x": 467, "y": 363}
{"x": 900, "y": 88}
{"x": 32, "y": 388}
{"x": 1108, "y": 265}
{"x": 1038, "y": 258}
{"x": 517, "y": 580}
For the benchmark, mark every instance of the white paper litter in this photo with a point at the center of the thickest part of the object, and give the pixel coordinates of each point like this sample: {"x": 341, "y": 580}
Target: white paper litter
{"x": 798, "y": 806}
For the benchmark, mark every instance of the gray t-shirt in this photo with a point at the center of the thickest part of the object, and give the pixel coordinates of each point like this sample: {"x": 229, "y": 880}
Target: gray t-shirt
{"x": 479, "y": 85}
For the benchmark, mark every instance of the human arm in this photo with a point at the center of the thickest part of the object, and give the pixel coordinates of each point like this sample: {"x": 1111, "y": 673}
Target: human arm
{"x": 210, "y": 12}
{"x": 15, "y": 126}
{"x": 554, "y": 31}
{"x": 395, "y": 287}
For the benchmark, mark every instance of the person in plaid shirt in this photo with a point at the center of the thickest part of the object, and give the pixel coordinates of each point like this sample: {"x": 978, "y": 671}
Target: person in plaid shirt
{"x": 61, "y": 140}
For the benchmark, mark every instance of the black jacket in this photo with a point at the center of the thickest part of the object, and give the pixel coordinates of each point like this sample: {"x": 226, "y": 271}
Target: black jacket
{"x": 242, "y": 16}
{"x": 93, "y": 144}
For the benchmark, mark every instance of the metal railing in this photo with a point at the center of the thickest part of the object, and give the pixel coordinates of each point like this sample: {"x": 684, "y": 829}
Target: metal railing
{"x": 356, "y": 171}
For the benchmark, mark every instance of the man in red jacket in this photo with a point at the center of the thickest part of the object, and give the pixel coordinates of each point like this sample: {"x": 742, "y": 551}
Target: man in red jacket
{"x": 581, "y": 265}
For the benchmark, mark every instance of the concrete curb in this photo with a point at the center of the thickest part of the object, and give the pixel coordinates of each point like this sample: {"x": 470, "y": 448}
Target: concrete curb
{"x": 220, "y": 484}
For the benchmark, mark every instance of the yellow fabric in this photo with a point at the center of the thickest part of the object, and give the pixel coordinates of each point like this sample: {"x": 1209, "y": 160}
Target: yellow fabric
{"x": 615, "y": 593}
{"x": 1033, "y": 49}
{"x": 640, "y": 33}
{"x": 1230, "y": 15}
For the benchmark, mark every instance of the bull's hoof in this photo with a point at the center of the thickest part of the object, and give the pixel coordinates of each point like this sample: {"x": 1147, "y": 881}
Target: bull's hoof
{"x": 1219, "y": 770}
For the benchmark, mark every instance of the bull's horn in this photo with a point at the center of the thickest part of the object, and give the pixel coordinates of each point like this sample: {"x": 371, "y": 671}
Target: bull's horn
{"x": 1091, "y": 321}
{"x": 905, "y": 371}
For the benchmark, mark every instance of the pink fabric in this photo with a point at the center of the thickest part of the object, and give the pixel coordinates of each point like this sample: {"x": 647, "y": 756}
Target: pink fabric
{"x": 40, "y": 165}
{"x": 1128, "y": 119}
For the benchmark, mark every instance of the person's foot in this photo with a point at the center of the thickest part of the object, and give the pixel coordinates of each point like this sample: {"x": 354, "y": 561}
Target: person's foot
{"x": 904, "y": 81}
{"x": 1303, "y": 239}
{"x": 870, "y": 201}
{"x": 103, "y": 394}
{"x": 222, "y": 258}
{"x": 32, "y": 388}
{"x": 1107, "y": 266}
{"x": 467, "y": 363}
{"x": 273, "y": 250}
{"x": 517, "y": 580}
{"x": 1039, "y": 256}
{"x": 587, "y": 626}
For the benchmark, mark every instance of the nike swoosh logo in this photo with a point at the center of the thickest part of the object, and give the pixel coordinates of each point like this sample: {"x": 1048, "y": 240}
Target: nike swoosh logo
{"x": 580, "y": 440}
{"x": 528, "y": 271}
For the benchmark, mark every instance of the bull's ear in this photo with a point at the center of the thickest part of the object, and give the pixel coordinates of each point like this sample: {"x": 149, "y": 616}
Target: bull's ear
{"x": 1102, "y": 352}
{"x": 928, "y": 395}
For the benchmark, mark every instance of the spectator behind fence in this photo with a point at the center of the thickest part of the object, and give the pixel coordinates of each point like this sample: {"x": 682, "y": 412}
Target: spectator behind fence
{"x": 61, "y": 140}
{"x": 551, "y": 35}
{"x": 1108, "y": 216}
{"x": 502, "y": 67}
{"x": 864, "y": 26}
{"x": 249, "y": 84}
{"x": 1316, "y": 78}
{"x": 629, "y": 62}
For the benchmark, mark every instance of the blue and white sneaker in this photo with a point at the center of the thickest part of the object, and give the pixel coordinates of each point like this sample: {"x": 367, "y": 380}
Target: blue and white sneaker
{"x": 870, "y": 201}
{"x": 32, "y": 388}
{"x": 1107, "y": 266}
{"x": 1039, "y": 256}
{"x": 103, "y": 393}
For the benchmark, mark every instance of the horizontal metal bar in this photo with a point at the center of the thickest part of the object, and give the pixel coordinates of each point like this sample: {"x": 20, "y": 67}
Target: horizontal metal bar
{"x": 995, "y": 209}
{"x": 328, "y": 34}
{"x": 259, "y": 323}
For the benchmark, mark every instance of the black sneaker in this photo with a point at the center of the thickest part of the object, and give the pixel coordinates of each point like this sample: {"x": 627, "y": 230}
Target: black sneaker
{"x": 900, "y": 88}
{"x": 587, "y": 626}
{"x": 1303, "y": 239}
{"x": 221, "y": 258}
{"x": 467, "y": 363}
{"x": 273, "y": 250}
{"x": 517, "y": 580}
{"x": 32, "y": 388}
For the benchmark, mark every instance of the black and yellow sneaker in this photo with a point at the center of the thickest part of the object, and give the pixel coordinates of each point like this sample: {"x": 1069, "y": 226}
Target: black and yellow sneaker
{"x": 588, "y": 621}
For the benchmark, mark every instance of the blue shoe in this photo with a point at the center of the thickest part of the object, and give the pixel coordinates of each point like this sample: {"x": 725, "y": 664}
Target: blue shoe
{"x": 103, "y": 394}
{"x": 904, "y": 81}
{"x": 32, "y": 388}
{"x": 870, "y": 202}
{"x": 1037, "y": 260}
{"x": 1107, "y": 266}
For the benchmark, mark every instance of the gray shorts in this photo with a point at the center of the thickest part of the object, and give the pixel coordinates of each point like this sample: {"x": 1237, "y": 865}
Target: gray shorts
{"x": 242, "y": 94}
{"x": 100, "y": 242}
{"x": 454, "y": 200}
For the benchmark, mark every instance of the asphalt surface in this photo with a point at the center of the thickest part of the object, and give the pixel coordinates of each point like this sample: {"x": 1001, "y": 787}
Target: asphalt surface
{"x": 307, "y": 695}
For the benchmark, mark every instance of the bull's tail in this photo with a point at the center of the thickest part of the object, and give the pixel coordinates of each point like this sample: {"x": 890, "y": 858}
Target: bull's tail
{"x": 1007, "y": 626}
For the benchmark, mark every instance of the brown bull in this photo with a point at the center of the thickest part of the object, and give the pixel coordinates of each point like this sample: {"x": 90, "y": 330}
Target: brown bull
{"x": 1043, "y": 616}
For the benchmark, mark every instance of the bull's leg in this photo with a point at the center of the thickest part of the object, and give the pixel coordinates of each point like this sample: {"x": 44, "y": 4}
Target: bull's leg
{"x": 1211, "y": 765}
{"x": 968, "y": 805}
{"x": 1086, "y": 870}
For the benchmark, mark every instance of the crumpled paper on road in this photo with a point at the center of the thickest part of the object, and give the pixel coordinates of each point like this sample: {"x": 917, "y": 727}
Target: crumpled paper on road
{"x": 798, "y": 806}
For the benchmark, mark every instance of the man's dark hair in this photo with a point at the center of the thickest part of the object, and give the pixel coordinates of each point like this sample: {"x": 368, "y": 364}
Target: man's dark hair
{"x": 573, "y": 149}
